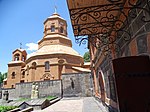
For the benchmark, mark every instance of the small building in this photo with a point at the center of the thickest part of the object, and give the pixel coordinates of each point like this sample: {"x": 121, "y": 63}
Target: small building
{"x": 54, "y": 57}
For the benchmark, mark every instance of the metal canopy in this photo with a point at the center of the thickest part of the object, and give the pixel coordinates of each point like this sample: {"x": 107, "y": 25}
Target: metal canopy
{"x": 105, "y": 20}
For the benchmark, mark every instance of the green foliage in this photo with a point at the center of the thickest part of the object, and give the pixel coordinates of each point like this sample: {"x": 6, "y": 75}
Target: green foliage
{"x": 86, "y": 57}
{"x": 6, "y": 108}
{"x": 50, "y": 97}
{"x": 24, "y": 99}
{"x": 2, "y": 77}
{"x": 5, "y": 75}
{"x": 27, "y": 99}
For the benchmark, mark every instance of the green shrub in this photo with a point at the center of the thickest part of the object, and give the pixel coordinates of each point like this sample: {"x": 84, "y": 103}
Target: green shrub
{"x": 6, "y": 108}
{"x": 24, "y": 99}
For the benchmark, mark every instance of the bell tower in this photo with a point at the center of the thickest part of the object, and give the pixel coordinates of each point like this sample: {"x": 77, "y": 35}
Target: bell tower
{"x": 19, "y": 55}
{"x": 15, "y": 68}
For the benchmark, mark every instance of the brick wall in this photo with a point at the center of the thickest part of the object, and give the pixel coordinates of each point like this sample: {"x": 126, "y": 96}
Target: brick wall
{"x": 139, "y": 30}
{"x": 137, "y": 44}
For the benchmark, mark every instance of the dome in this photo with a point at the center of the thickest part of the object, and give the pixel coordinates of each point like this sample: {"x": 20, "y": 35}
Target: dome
{"x": 55, "y": 49}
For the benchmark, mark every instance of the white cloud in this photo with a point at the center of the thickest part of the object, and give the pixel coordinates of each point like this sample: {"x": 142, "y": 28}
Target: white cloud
{"x": 30, "y": 54}
{"x": 32, "y": 46}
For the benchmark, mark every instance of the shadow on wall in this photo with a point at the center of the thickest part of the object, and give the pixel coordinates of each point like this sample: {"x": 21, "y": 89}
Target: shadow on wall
{"x": 77, "y": 85}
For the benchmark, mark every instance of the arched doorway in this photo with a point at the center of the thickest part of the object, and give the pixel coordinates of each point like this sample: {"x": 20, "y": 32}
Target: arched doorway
{"x": 101, "y": 85}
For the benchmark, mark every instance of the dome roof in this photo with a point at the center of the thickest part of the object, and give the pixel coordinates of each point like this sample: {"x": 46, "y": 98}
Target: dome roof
{"x": 54, "y": 49}
{"x": 56, "y": 15}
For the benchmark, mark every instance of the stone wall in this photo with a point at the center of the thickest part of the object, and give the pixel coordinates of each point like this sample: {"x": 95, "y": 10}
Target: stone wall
{"x": 50, "y": 88}
{"x": 46, "y": 88}
{"x": 74, "y": 84}
{"x": 24, "y": 89}
{"x": 77, "y": 84}
{"x": 13, "y": 94}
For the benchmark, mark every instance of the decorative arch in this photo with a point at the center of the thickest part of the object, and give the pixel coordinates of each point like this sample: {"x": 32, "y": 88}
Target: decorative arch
{"x": 47, "y": 76}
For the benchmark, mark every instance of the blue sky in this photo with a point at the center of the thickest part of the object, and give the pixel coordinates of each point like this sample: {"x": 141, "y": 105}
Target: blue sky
{"x": 21, "y": 21}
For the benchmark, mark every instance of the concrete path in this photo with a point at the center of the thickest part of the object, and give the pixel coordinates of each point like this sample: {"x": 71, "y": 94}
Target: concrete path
{"x": 92, "y": 105}
{"x": 87, "y": 104}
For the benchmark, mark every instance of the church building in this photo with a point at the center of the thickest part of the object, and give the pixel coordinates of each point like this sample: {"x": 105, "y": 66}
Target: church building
{"x": 54, "y": 57}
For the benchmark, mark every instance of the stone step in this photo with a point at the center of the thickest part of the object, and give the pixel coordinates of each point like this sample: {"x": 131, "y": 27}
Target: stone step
{"x": 55, "y": 100}
{"x": 29, "y": 109}
{"x": 15, "y": 110}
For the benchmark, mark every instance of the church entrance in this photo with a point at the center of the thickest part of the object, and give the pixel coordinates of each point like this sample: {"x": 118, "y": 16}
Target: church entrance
{"x": 132, "y": 76}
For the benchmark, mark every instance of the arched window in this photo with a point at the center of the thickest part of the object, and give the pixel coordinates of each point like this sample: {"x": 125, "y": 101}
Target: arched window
{"x": 47, "y": 66}
{"x": 72, "y": 83}
{"x": 5, "y": 82}
{"x": 23, "y": 58}
{"x": 52, "y": 28}
{"x": 23, "y": 74}
{"x": 16, "y": 57}
{"x": 12, "y": 86}
{"x": 34, "y": 65}
{"x": 13, "y": 75}
{"x": 27, "y": 69}
{"x": 61, "y": 30}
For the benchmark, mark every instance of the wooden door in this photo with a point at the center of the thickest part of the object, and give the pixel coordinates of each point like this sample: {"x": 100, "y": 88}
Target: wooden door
{"x": 132, "y": 76}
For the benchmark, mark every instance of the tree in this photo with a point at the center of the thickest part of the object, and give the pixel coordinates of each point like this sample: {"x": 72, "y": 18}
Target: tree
{"x": 5, "y": 75}
{"x": 86, "y": 57}
{"x": 2, "y": 77}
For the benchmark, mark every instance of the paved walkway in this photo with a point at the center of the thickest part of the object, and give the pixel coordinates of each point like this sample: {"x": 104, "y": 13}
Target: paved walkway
{"x": 87, "y": 104}
{"x": 92, "y": 105}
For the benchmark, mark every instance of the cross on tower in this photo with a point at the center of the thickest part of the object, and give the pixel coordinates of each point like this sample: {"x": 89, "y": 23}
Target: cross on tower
{"x": 55, "y": 9}
{"x": 20, "y": 45}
